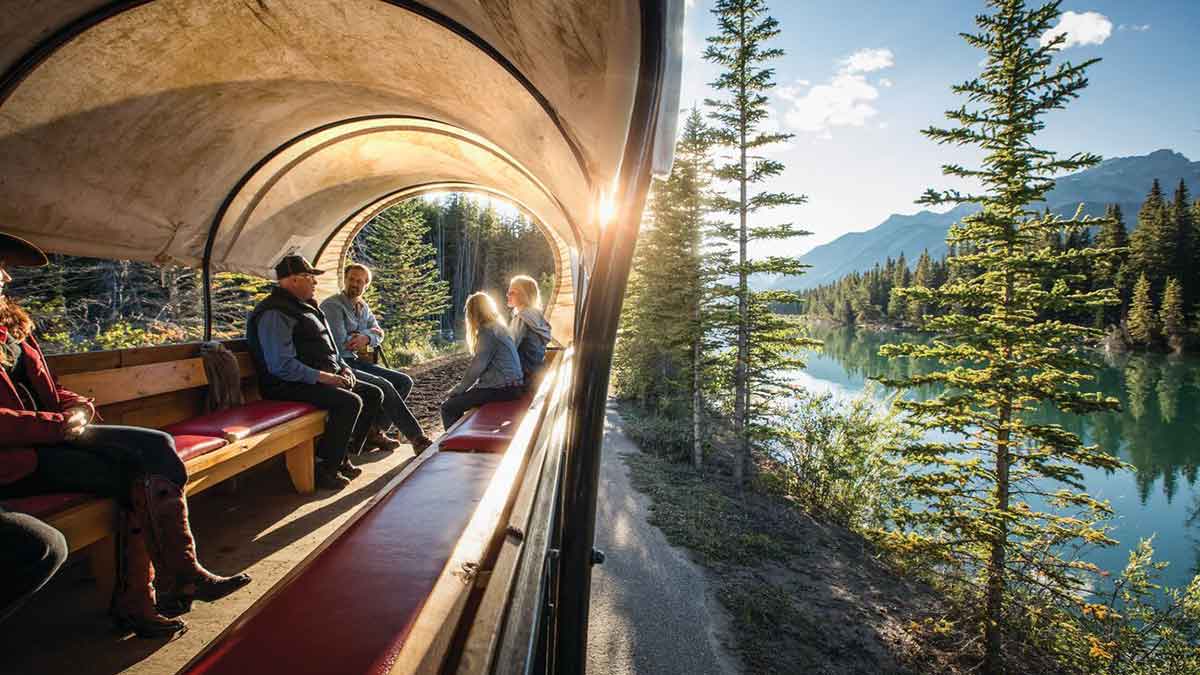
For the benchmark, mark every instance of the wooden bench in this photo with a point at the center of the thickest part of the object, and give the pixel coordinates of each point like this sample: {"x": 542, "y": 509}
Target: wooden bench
{"x": 159, "y": 387}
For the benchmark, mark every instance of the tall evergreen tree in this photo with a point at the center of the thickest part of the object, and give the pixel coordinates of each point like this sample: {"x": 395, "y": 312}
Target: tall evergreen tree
{"x": 1171, "y": 317}
{"x": 408, "y": 294}
{"x": 1152, "y": 245}
{"x": 661, "y": 356}
{"x": 1114, "y": 272}
{"x": 1005, "y": 357}
{"x": 739, "y": 48}
{"x": 1143, "y": 329}
{"x": 923, "y": 277}
{"x": 1180, "y": 214}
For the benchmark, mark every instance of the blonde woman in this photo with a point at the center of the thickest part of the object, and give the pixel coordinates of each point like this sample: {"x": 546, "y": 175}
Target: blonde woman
{"x": 495, "y": 370}
{"x": 528, "y": 327}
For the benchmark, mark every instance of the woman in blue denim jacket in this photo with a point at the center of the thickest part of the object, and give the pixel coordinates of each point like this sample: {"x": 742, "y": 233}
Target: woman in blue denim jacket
{"x": 495, "y": 370}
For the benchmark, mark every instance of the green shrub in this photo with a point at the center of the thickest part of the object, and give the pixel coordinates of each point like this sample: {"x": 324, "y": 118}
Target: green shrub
{"x": 669, "y": 437}
{"x": 834, "y": 459}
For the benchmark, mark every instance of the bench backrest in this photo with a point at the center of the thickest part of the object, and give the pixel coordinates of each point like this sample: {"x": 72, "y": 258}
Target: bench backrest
{"x": 147, "y": 386}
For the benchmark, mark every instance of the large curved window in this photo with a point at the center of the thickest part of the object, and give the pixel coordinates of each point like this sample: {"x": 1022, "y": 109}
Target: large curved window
{"x": 90, "y": 304}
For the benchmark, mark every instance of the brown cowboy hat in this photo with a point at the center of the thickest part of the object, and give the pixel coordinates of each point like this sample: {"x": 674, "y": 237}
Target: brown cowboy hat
{"x": 19, "y": 253}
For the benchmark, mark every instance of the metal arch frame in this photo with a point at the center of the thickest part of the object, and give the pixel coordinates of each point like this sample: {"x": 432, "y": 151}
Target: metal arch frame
{"x": 33, "y": 58}
{"x": 39, "y": 53}
{"x": 404, "y": 194}
{"x": 595, "y": 340}
{"x": 254, "y": 170}
{"x": 396, "y": 123}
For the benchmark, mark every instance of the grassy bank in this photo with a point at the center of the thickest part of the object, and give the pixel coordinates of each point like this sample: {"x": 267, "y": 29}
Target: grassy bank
{"x": 803, "y": 596}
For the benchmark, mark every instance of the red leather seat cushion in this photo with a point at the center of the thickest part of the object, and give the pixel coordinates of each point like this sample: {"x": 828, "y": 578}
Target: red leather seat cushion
{"x": 351, "y": 607}
{"x": 43, "y": 506}
{"x": 488, "y": 429}
{"x": 188, "y": 447}
{"x": 238, "y": 423}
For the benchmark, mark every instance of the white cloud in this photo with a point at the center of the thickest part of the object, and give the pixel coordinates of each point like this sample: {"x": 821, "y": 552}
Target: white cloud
{"x": 868, "y": 60}
{"x": 1140, "y": 28}
{"x": 844, "y": 101}
{"x": 1087, "y": 28}
{"x": 791, "y": 92}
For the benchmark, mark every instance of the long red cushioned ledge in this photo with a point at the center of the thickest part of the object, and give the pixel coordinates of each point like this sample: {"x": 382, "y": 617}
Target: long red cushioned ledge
{"x": 44, "y": 506}
{"x": 488, "y": 429}
{"x": 353, "y": 606}
{"x": 242, "y": 421}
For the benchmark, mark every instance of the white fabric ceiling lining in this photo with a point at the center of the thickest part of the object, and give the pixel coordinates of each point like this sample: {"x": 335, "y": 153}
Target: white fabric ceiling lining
{"x": 167, "y": 220}
{"x": 257, "y": 185}
{"x": 350, "y": 166}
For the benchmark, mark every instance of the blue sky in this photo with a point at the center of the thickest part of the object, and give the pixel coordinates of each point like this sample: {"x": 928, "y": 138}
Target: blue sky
{"x": 859, "y": 80}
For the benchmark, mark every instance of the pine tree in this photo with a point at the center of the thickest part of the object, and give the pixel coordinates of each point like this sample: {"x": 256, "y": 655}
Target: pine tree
{"x": 661, "y": 356}
{"x": 923, "y": 277}
{"x": 738, "y": 48}
{"x": 1005, "y": 357}
{"x": 406, "y": 292}
{"x": 897, "y": 305}
{"x": 1114, "y": 272}
{"x": 1184, "y": 249}
{"x": 1143, "y": 330}
{"x": 1152, "y": 245}
{"x": 1171, "y": 316}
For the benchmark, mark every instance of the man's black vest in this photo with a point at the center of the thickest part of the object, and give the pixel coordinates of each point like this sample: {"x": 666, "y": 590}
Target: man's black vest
{"x": 314, "y": 342}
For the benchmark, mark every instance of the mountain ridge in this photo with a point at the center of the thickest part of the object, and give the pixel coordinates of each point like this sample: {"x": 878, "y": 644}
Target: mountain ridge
{"x": 1120, "y": 180}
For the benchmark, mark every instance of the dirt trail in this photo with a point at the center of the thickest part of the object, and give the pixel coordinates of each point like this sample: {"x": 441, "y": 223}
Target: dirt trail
{"x": 431, "y": 380}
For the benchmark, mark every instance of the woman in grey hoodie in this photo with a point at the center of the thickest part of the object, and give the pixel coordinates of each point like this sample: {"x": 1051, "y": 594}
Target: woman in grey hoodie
{"x": 495, "y": 370}
{"x": 530, "y": 330}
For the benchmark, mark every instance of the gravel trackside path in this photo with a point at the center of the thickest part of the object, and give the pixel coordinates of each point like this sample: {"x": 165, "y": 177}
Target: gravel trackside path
{"x": 651, "y": 609}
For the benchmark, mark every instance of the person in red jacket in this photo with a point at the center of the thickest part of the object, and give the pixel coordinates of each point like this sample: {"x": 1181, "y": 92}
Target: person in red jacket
{"x": 49, "y": 443}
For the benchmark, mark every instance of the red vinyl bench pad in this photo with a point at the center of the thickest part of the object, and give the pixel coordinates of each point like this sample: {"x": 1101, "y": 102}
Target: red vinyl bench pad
{"x": 238, "y": 423}
{"x": 44, "y": 506}
{"x": 352, "y": 607}
{"x": 489, "y": 429}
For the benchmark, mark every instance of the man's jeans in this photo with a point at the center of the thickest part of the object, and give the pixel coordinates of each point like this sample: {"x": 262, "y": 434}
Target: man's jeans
{"x": 350, "y": 413}
{"x": 396, "y": 387}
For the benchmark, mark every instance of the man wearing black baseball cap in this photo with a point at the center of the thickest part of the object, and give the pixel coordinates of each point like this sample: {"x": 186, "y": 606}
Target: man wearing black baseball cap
{"x": 297, "y": 360}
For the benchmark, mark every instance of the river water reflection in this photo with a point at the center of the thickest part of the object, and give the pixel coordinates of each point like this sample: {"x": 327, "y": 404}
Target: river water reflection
{"x": 1157, "y": 431}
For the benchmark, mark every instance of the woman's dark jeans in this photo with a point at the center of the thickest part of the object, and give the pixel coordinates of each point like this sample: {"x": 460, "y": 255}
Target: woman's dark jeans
{"x": 102, "y": 461}
{"x": 456, "y": 406}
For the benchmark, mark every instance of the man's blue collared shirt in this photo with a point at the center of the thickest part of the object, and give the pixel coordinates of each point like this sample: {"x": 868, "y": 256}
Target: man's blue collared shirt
{"x": 345, "y": 319}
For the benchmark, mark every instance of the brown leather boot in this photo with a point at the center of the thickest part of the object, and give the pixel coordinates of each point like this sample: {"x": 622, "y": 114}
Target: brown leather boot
{"x": 420, "y": 444}
{"x": 377, "y": 439}
{"x": 132, "y": 607}
{"x": 182, "y": 577}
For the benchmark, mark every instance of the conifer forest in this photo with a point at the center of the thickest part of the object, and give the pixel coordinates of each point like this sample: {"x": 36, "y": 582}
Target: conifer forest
{"x": 970, "y": 461}
{"x": 959, "y": 422}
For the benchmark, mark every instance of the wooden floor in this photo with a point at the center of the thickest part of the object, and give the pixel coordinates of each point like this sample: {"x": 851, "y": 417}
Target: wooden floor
{"x": 263, "y": 527}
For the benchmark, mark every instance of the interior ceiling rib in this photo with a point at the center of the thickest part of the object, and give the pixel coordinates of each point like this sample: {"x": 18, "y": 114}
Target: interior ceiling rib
{"x": 126, "y": 140}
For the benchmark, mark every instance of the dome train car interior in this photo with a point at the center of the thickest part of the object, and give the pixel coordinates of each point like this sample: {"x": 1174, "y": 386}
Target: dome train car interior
{"x": 222, "y": 135}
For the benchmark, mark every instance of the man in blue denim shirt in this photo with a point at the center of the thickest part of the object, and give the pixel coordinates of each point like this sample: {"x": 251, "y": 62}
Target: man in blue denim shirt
{"x": 355, "y": 329}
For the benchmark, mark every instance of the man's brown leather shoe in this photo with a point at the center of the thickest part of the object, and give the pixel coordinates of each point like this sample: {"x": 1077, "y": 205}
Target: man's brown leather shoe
{"x": 378, "y": 439}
